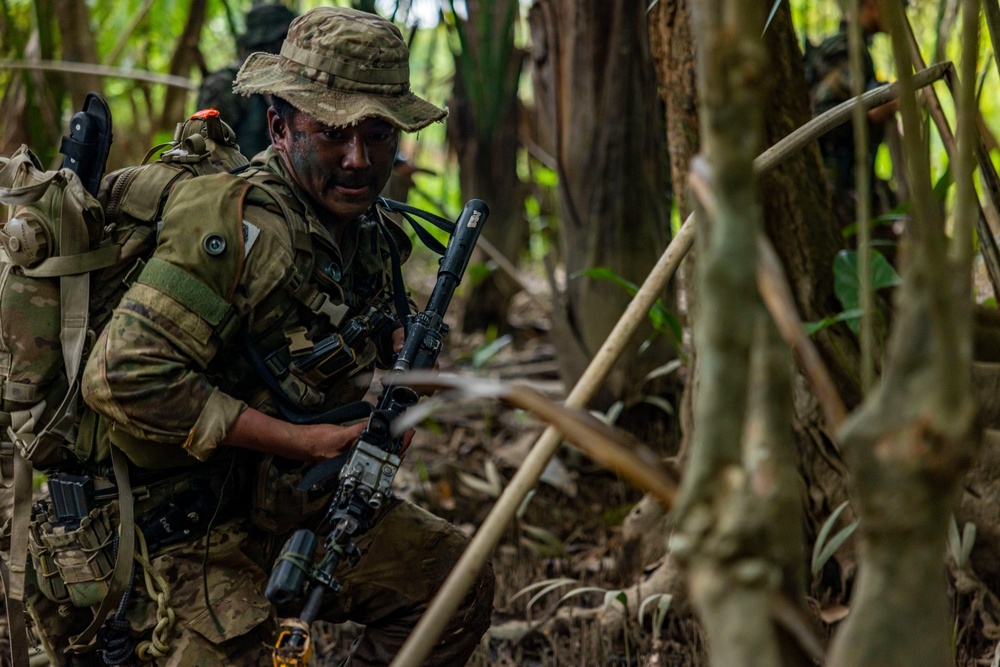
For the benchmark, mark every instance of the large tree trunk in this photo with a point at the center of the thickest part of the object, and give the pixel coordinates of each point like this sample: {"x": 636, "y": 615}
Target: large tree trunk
{"x": 594, "y": 81}
{"x": 797, "y": 219}
{"x": 910, "y": 442}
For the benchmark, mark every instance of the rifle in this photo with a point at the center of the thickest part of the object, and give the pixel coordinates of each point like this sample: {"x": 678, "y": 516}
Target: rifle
{"x": 365, "y": 479}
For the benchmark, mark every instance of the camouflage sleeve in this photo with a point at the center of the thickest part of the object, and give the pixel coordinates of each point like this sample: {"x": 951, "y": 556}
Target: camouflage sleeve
{"x": 148, "y": 370}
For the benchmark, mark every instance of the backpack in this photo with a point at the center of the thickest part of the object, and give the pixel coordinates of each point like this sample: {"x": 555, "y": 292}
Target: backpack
{"x": 68, "y": 257}
{"x": 68, "y": 252}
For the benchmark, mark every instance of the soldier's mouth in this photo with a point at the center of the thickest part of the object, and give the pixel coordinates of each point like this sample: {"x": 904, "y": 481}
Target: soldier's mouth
{"x": 352, "y": 191}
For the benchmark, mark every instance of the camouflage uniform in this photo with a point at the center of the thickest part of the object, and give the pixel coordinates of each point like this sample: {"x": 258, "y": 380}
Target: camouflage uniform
{"x": 829, "y": 67}
{"x": 267, "y": 25}
{"x": 170, "y": 379}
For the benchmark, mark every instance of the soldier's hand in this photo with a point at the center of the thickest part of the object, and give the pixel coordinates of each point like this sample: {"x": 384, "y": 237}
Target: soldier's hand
{"x": 330, "y": 440}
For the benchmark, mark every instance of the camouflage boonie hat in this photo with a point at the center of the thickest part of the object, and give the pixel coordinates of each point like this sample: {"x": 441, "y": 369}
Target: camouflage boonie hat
{"x": 340, "y": 66}
{"x": 266, "y": 24}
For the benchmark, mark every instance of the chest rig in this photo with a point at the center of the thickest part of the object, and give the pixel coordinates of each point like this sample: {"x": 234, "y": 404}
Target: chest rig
{"x": 331, "y": 318}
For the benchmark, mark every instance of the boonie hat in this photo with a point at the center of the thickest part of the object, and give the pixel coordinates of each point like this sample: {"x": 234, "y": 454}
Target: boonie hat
{"x": 341, "y": 65}
{"x": 267, "y": 23}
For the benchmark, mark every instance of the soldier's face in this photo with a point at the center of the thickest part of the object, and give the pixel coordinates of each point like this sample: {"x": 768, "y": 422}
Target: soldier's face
{"x": 342, "y": 169}
{"x": 872, "y": 20}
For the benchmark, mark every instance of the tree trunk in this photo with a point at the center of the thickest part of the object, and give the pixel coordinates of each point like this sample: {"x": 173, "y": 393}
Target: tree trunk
{"x": 483, "y": 130}
{"x": 181, "y": 63}
{"x": 739, "y": 514}
{"x": 913, "y": 438}
{"x": 78, "y": 46}
{"x": 673, "y": 51}
{"x": 594, "y": 81}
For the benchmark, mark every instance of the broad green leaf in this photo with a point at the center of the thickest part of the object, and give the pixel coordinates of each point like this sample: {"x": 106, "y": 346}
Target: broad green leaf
{"x": 846, "y": 282}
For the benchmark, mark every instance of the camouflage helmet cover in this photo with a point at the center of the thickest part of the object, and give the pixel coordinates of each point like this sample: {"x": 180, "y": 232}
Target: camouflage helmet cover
{"x": 341, "y": 65}
{"x": 266, "y": 23}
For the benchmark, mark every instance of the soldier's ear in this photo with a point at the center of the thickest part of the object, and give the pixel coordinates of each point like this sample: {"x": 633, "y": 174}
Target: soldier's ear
{"x": 279, "y": 128}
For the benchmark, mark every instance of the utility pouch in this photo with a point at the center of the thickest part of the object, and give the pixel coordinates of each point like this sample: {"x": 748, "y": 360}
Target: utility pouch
{"x": 74, "y": 556}
{"x": 185, "y": 516}
{"x": 330, "y": 358}
{"x": 277, "y": 502}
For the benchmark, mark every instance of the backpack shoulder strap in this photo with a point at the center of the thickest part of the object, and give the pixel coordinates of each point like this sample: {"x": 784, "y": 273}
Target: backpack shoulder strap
{"x": 298, "y": 282}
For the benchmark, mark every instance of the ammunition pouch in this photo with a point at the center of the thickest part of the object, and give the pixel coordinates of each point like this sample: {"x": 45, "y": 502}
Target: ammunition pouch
{"x": 72, "y": 541}
{"x": 73, "y": 560}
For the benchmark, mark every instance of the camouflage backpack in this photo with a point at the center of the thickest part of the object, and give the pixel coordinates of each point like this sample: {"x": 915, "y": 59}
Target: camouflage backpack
{"x": 66, "y": 258}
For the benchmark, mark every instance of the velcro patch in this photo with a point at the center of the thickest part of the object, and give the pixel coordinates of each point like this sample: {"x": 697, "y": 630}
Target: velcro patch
{"x": 250, "y": 234}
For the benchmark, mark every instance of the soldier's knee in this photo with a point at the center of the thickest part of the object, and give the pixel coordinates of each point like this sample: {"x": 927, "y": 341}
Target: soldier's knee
{"x": 480, "y": 598}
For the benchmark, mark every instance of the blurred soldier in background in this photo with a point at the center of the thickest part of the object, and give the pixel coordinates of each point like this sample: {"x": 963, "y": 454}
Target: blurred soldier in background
{"x": 828, "y": 71}
{"x": 267, "y": 25}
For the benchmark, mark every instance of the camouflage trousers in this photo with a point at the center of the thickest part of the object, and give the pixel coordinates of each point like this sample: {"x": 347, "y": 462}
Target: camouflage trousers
{"x": 405, "y": 559}
{"x": 6, "y": 504}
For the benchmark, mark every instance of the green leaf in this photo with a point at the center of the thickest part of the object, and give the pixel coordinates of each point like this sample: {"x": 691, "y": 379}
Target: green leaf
{"x": 943, "y": 184}
{"x": 824, "y": 532}
{"x": 846, "y": 281}
{"x": 523, "y": 507}
{"x": 664, "y": 370}
{"x": 581, "y": 591}
{"x": 854, "y": 314}
{"x": 484, "y": 354}
{"x": 663, "y": 320}
{"x": 539, "y": 584}
{"x": 663, "y": 602}
{"x": 831, "y": 547}
{"x": 968, "y": 540}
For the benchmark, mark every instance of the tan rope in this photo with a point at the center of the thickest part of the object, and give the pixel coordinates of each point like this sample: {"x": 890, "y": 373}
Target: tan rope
{"x": 158, "y": 646}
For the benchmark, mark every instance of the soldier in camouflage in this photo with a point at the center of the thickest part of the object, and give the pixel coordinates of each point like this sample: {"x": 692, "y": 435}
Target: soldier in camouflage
{"x": 829, "y": 68}
{"x": 266, "y": 27}
{"x": 250, "y": 273}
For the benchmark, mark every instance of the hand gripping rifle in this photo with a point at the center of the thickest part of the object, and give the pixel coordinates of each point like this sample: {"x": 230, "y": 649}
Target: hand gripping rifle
{"x": 365, "y": 479}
